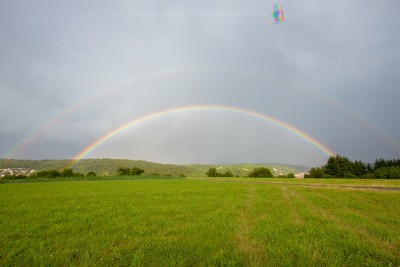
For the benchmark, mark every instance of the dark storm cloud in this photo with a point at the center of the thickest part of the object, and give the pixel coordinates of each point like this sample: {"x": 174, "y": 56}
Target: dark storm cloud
{"x": 330, "y": 70}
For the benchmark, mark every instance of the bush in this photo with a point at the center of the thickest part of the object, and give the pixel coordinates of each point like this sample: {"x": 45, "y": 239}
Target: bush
{"x": 91, "y": 174}
{"x": 48, "y": 174}
{"x": 261, "y": 172}
{"x": 227, "y": 174}
{"x": 387, "y": 173}
{"x": 212, "y": 172}
{"x": 316, "y": 173}
{"x": 126, "y": 171}
{"x": 67, "y": 173}
{"x": 136, "y": 171}
{"x": 15, "y": 177}
{"x": 123, "y": 171}
{"x": 290, "y": 175}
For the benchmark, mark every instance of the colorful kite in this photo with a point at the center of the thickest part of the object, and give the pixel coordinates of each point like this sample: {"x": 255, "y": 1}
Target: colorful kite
{"x": 277, "y": 15}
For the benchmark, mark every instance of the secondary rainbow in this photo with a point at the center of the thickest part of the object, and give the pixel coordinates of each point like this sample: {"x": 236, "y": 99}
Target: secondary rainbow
{"x": 166, "y": 112}
{"x": 38, "y": 132}
{"x": 52, "y": 122}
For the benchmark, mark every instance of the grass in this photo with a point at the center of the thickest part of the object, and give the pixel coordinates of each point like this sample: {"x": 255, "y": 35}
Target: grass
{"x": 188, "y": 222}
{"x": 313, "y": 181}
{"x": 84, "y": 179}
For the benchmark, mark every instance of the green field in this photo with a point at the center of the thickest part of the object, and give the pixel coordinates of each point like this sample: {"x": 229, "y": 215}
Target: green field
{"x": 200, "y": 222}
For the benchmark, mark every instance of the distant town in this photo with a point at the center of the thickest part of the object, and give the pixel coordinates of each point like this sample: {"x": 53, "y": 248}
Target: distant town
{"x": 15, "y": 172}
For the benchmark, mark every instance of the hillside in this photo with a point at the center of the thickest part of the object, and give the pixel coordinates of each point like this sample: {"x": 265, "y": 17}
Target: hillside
{"x": 110, "y": 167}
{"x": 37, "y": 165}
{"x": 243, "y": 169}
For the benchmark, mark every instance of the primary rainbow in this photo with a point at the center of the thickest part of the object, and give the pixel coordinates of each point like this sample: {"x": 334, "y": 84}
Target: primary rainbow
{"x": 57, "y": 118}
{"x": 165, "y": 112}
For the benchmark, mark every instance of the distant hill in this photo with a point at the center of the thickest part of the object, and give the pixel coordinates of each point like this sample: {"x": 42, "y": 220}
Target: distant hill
{"x": 244, "y": 169}
{"x": 298, "y": 168}
{"x": 33, "y": 164}
{"x": 110, "y": 167}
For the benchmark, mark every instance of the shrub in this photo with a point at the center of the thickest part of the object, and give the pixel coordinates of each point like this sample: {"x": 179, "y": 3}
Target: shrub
{"x": 387, "y": 173}
{"x": 91, "y": 174}
{"x": 136, "y": 171}
{"x": 67, "y": 173}
{"x": 212, "y": 172}
{"x": 261, "y": 172}
{"x": 48, "y": 174}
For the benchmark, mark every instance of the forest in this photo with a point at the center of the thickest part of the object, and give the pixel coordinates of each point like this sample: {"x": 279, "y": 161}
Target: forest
{"x": 336, "y": 167}
{"x": 341, "y": 167}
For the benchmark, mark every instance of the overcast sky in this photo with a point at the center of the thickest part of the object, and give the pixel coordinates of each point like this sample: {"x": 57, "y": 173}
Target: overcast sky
{"x": 72, "y": 71}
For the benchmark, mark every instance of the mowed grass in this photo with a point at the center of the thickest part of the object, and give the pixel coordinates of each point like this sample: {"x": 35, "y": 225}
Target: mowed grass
{"x": 196, "y": 223}
{"x": 312, "y": 181}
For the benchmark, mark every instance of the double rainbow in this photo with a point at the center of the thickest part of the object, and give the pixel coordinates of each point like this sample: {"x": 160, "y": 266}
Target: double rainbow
{"x": 33, "y": 136}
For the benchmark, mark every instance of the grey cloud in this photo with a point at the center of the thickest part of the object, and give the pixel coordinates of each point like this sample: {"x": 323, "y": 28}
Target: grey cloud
{"x": 324, "y": 64}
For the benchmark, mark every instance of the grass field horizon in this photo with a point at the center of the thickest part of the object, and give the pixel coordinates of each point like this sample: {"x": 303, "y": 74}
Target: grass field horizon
{"x": 199, "y": 221}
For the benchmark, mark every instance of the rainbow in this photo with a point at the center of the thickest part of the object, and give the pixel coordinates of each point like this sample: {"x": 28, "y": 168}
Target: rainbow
{"x": 57, "y": 118}
{"x": 161, "y": 113}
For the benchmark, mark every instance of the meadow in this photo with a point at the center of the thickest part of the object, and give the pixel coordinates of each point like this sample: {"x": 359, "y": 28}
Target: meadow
{"x": 200, "y": 222}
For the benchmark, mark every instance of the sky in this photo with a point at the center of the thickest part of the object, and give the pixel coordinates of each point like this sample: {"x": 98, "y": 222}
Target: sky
{"x": 73, "y": 71}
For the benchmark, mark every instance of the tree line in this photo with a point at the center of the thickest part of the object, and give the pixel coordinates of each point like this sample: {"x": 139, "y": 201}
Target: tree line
{"x": 66, "y": 173}
{"x": 341, "y": 167}
{"x": 69, "y": 173}
{"x": 212, "y": 172}
{"x": 260, "y": 172}
{"x": 336, "y": 167}
{"x": 129, "y": 172}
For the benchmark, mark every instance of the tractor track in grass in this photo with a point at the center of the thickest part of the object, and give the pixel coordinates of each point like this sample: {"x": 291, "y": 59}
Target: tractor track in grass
{"x": 329, "y": 186}
{"x": 251, "y": 248}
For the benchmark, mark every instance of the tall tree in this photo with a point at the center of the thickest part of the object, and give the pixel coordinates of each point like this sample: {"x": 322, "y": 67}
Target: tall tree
{"x": 359, "y": 168}
{"x": 339, "y": 167}
{"x": 212, "y": 172}
{"x": 316, "y": 173}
